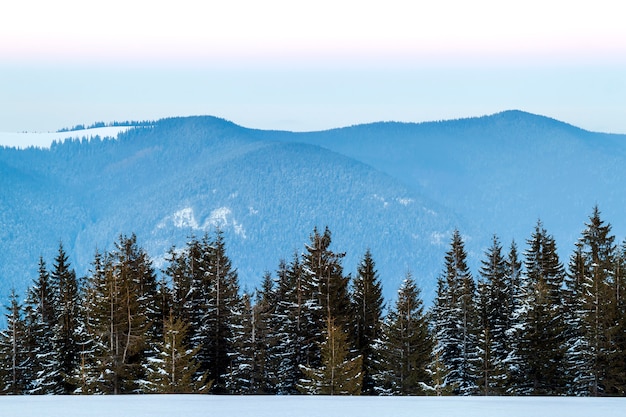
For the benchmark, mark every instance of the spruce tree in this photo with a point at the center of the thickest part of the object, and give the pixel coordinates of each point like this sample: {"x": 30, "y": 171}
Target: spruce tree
{"x": 541, "y": 346}
{"x": 40, "y": 317}
{"x": 455, "y": 319}
{"x": 173, "y": 370}
{"x": 493, "y": 314}
{"x": 290, "y": 325}
{"x": 407, "y": 347}
{"x": 367, "y": 305}
{"x": 324, "y": 273}
{"x": 221, "y": 292}
{"x": 66, "y": 339}
{"x": 338, "y": 374}
{"x": 14, "y": 363}
{"x": 122, "y": 320}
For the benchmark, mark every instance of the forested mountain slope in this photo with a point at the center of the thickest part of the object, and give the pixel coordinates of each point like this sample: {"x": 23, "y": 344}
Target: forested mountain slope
{"x": 183, "y": 177}
{"x": 397, "y": 188}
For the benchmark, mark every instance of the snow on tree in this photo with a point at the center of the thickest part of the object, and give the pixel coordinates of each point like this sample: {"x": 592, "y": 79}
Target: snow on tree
{"x": 338, "y": 374}
{"x": 407, "y": 345}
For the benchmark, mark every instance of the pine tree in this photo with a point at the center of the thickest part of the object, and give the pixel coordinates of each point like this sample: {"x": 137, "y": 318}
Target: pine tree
{"x": 455, "y": 318}
{"x": 66, "y": 329}
{"x": 541, "y": 347}
{"x": 40, "y": 317}
{"x": 121, "y": 324}
{"x": 221, "y": 289}
{"x": 14, "y": 364}
{"x": 493, "y": 314}
{"x": 174, "y": 369}
{"x": 367, "y": 305}
{"x": 592, "y": 314}
{"x": 407, "y": 347}
{"x": 263, "y": 337}
{"x": 615, "y": 380}
{"x": 516, "y": 285}
{"x": 289, "y": 322}
{"x": 338, "y": 374}
{"x": 322, "y": 268}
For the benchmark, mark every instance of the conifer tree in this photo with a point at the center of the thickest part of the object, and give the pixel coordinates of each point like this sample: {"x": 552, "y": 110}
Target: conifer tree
{"x": 14, "y": 364}
{"x": 493, "y": 314}
{"x": 241, "y": 374}
{"x": 615, "y": 380}
{"x": 367, "y": 306}
{"x": 541, "y": 347}
{"x": 592, "y": 312}
{"x": 290, "y": 322}
{"x": 122, "y": 318}
{"x": 66, "y": 337}
{"x": 174, "y": 369}
{"x": 40, "y": 318}
{"x": 221, "y": 289}
{"x": 264, "y": 338}
{"x": 338, "y": 374}
{"x": 455, "y": 319}
{"x": 324, "y": 273}
{"x": 407, "y": 347}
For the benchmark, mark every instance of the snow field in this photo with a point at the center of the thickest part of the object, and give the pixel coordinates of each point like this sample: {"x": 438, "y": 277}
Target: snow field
{"x": 307, "y": 406}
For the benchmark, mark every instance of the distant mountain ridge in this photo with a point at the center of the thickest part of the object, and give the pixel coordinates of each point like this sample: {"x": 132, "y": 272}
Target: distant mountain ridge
{"x": 396, "y": 188}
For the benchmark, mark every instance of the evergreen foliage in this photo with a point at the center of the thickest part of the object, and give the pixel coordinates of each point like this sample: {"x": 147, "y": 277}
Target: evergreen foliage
{"x": 541, "y": 346}
{"x": 455, "y": 319}
{"x": 173, "y": 370}
{"x": 407, "y": 345}
{"x": 338, "y": 374}
{"x": 14, "y": 364}
{"x": 367, "y": 307}
{"x": 524, "y": 329}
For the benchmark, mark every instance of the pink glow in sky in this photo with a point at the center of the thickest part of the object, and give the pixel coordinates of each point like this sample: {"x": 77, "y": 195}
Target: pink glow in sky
{"x": 308, "y": 65}
{"x": 321, "y": 32}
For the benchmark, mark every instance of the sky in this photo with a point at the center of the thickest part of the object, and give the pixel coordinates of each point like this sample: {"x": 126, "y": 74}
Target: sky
{"x": 310, "y": 65}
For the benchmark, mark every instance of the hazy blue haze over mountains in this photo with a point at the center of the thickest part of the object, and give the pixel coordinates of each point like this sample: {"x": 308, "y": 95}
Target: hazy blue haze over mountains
{"x": 396, "y": 188}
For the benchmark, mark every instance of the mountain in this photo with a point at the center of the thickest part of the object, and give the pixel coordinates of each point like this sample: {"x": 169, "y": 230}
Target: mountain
{"x": 184, "y": 176}
{"x": 396, "y": 188}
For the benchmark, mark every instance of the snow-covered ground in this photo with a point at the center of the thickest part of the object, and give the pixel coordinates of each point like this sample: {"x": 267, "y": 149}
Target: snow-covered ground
{"x": 44, "y": 139}
{"x": 309, "y": 406}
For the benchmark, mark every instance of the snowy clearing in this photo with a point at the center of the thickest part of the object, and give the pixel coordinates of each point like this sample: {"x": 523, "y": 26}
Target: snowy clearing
{"x": 309, "y": 406}
{"x": 23, "y": 140}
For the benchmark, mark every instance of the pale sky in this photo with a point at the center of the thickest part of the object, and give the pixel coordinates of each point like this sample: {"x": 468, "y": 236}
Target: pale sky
{"x": 310, "y": 65}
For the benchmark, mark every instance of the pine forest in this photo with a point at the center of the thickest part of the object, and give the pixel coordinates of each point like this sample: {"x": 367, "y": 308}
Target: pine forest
{"x": 526, "y": 323}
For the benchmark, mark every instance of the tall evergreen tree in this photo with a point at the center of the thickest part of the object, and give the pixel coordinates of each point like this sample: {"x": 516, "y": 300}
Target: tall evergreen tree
{"x": 66, "y": 330}
{"x": 493, "y": 314}
{"x": 594, "y": 312}
{"x": 367, "y": 300}
{"x": 14, "y": 364}
{"x": 541, "y": 347}
{"x": 322, "y": 269}
{"x": 407, "y": 347}
{"x": 338, "y": 374}
{"x": 40, "y": 318}
{"x": 122, "y": 319}
{"x": 455, "y": 319}
{"x": 174, "y": 369}
{"x": 292, "y": 327}
{"x": 221, "y": 289}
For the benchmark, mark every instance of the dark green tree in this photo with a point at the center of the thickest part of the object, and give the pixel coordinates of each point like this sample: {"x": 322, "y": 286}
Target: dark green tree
{"x": 407, "y": 347}
{"x": 14, "y": 357}
{"x": 66, "y": 339}
{"x": 367, "y": 307}
{"x": 174, "y": 369}
{"x": 493, "y": 314}
{"x": 339, "y": 374}
{"x": 455, "y": 319}
{"x": 541, "y": 346}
